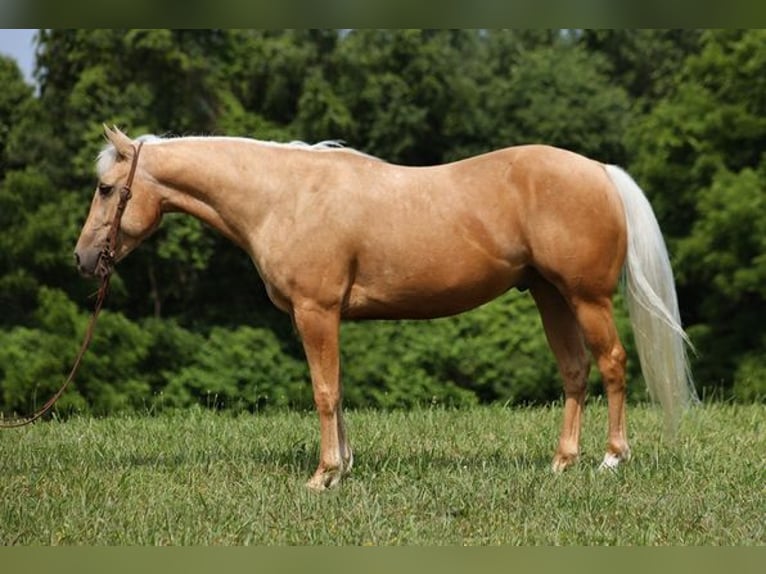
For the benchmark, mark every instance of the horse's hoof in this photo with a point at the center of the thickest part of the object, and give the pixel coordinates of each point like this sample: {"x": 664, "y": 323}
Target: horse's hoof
{"x": 563, "y": 461}
{"x": 324, "y": 479}
{"x": 612, "y": 460}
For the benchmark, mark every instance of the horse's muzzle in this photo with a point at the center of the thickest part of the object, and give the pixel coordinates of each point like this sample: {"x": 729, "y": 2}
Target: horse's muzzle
{"x": 93, "y": 262}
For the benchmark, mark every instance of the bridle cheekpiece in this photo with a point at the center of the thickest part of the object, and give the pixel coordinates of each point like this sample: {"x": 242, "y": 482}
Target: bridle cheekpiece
{"x": 108, "y": 252}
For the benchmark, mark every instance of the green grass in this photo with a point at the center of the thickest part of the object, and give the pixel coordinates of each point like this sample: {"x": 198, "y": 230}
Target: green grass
{"x": 432, "y": 476}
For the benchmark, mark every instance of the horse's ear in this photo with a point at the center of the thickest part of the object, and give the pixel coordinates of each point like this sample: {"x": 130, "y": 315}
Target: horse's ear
{"x": 122, "y": 143}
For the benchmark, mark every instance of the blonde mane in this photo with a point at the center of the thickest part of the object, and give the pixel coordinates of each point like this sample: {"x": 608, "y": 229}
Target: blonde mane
{"x": 107, "y": 157}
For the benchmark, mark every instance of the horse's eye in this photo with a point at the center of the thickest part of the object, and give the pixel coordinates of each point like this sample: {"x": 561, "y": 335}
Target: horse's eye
{"x": 105, "y": 189}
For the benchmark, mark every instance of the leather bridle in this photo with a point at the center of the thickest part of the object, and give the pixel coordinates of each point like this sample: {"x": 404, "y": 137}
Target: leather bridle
{"x": 104, "y": 266}
{"x": 105, "y": 261}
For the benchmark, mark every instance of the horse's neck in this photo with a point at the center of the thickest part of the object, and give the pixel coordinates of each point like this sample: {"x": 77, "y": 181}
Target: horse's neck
{"x": 221, "y": 182}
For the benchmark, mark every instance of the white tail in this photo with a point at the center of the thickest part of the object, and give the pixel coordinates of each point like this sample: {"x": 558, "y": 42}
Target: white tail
{"x": 653, "y": 305}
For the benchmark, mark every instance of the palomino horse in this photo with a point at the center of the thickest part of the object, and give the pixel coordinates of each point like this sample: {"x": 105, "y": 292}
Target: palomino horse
{"x": 336, "y": 234}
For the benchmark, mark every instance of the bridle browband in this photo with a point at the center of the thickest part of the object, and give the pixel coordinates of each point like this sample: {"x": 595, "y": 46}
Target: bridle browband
{"x": 104, "y": 267}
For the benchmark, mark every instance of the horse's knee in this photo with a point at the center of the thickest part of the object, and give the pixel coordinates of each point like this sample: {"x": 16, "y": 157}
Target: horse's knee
{"x": 575, "y": 375}
{"x": 326, "y": 400}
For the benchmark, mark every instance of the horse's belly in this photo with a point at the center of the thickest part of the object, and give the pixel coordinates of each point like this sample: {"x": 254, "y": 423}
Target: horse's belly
{"x": 430, "y": 292}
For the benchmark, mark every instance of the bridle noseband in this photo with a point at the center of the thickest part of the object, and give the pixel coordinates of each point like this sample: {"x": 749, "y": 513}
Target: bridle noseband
{"x": 104, "y": 267}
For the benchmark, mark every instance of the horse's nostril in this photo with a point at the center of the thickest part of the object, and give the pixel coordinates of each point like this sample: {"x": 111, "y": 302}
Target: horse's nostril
{"x": 77, "y": 259}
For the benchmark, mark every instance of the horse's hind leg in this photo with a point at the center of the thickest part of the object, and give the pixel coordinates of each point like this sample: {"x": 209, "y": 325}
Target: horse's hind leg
{"x": 566, "y": 341}
{"x": 597, "y": 323}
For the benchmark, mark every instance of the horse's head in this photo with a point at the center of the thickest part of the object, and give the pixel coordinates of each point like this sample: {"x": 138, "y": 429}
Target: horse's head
{"x": 141, "y": 216}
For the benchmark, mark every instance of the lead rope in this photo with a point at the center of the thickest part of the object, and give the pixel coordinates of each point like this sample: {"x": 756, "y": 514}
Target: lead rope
{"x": 104, "y": 267}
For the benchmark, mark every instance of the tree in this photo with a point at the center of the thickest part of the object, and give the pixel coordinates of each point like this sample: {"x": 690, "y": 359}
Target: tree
{"x": 15, "y": 96}
{"x": 402, "y": 88}
{"x": 644, "y": 62}
{"x": 535, "y": 101}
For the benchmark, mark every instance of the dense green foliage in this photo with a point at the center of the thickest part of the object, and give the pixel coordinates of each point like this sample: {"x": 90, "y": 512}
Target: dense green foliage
{"x": 188, "y": 319}
{"x": 426, "y": 476}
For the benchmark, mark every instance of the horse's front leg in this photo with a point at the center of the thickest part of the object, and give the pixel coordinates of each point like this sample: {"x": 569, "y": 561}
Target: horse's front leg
{"x": 319, "y": 329}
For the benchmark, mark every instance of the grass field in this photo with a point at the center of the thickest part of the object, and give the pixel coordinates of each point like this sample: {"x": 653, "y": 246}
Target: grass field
{"x": 432, "y": 476}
